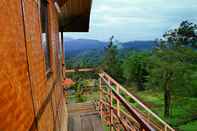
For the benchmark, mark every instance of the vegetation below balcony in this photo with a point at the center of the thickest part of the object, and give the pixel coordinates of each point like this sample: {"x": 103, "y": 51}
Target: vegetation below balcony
{"x": 183, "y": 109}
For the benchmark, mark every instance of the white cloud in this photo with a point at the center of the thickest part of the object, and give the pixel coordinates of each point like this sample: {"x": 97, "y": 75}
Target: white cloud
{"x": 138, "y": 19}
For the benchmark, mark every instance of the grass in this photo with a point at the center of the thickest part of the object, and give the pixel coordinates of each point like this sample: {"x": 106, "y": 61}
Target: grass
{"x": 184, "y": 109}
{"x": 192, "y": 126}
{"x": 88, "y": 92}
{"x": 85, "y": 98}
{"x": 90, "y": 96}
{"x": 106, "y": 128}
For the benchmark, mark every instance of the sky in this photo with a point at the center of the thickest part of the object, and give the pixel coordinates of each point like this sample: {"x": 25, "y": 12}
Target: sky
{"x": 130, "y": 20}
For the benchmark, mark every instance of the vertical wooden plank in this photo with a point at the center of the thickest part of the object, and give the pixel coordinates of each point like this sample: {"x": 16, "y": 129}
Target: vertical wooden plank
{"x": 111, "y": 103}
{"x": 111, "y": 113}
{"x": 165, "y": 128}
{"x": 118, "y": 104}
{"x": 100, "y": 103}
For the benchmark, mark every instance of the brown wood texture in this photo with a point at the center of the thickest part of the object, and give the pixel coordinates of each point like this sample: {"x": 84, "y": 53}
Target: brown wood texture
{"x": 76, "y": 15}
{"x": 83, "y": 117}
{"x": 28, "y": 100}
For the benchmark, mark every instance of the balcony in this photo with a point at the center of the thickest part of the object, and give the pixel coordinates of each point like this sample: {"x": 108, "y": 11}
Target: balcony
{"x": 115, "y": 109}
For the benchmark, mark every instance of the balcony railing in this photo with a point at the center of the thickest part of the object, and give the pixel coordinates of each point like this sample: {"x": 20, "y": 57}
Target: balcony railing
{"x": 117, "y": 112}
{"x": 120, "y": 114}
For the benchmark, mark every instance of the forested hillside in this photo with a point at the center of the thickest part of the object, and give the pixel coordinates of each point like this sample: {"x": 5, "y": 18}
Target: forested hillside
{"x": 81, "y": 51}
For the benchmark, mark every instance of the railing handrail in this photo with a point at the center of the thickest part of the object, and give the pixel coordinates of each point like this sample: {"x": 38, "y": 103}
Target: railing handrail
{"x": 79, "y": 70}
{"x": 136, "y": 100}
{"x": 130, "y": 109}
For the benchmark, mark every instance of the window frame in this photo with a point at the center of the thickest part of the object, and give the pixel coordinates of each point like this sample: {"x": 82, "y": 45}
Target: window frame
{"x": 44, "y": 6}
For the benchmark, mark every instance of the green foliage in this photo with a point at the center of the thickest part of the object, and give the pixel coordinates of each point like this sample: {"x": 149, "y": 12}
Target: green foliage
{"x": 173, "y": 63}
{"x": 82, "y": 75}
{"x": 111, "y": 63}
{"x": 183, "y": 111}
{"x": 85, "y": 90}
{"x": 135, "y": 69}
{"x": 176, "y": 57}
{"x": 79, "y": 90}
{"x": 191, "y": 126}
{"x": 90, "y": 58}
{"x": 184, "y": 35}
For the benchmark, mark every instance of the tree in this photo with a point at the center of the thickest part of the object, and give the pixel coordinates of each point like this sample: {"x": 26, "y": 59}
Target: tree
{"x": 174, "y": 60}
{"x": 111, "y": 62}
{"x": 135, "y": 69}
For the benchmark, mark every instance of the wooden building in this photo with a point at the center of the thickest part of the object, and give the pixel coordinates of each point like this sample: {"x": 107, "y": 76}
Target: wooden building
{"x": 31, "y": 59}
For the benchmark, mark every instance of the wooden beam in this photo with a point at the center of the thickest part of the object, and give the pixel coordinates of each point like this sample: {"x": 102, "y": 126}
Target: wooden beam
{"x": 80, "y": 70}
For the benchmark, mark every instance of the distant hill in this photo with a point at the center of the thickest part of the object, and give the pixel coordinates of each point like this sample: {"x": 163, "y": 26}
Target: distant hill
{"x": 79, "y": 52}
{"x": 139, "y": 45}
{"x": 75, "y": 46}
{"x": 83, "y": 44}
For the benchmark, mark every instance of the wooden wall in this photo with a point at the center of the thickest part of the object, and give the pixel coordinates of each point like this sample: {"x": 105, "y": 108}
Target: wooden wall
{"x": 28, "y": 99}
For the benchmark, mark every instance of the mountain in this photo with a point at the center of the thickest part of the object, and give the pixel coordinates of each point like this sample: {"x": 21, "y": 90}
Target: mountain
{"x": 74, "y": 47}
{"x": 88, "y": 52}
{"x": 139, "y": 45}
{"x": 83, "y": 44}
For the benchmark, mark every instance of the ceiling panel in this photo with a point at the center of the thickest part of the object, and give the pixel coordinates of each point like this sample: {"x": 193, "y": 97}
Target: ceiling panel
{"x": 76, "y": 14}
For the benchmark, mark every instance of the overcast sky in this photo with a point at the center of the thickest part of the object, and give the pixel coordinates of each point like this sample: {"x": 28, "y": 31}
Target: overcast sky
{"x": 136, "y": 19}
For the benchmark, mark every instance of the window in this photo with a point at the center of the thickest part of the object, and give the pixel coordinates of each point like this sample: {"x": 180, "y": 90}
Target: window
{"x": 45, "y": 39}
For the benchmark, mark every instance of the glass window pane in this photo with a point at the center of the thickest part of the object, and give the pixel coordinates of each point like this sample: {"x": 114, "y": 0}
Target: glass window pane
{"x": 45, "y": 40}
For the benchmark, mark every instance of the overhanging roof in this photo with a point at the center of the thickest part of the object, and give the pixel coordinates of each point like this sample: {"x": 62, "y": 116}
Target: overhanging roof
{"x": 60, "y": 2}
{"x": 75, "y": 15}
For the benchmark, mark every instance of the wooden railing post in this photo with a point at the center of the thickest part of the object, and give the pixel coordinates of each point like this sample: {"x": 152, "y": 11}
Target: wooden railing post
{"x": 101, "y": 97}
{"x": 111, "y": 103}
{"x": 165, "y": 128}
{"x": 118, "y": 105}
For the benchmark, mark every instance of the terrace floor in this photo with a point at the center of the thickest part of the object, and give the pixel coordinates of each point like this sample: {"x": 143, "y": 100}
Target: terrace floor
{"x": 83, "y": 117}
